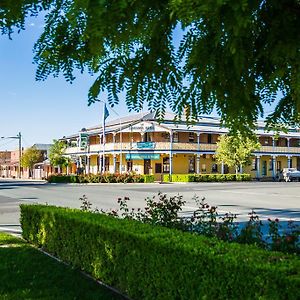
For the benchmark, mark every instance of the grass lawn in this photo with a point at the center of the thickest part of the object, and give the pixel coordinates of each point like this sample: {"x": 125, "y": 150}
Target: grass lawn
{"x": 27, "y": 273}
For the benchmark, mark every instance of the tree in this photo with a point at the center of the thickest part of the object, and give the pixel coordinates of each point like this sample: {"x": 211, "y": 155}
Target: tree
{"x": 232, "y": 55}
{"x": 30, "y": 157}
{"x": 236, "y": 151}
{"x": 56, "y": 154}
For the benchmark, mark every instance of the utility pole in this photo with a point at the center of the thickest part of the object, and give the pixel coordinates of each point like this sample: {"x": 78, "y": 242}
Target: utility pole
{"x": 20, "y": 153}
{"x": 19, "y": 137}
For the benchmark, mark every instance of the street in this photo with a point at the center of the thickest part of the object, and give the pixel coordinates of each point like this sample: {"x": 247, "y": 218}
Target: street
{"x": 269, "y": 199}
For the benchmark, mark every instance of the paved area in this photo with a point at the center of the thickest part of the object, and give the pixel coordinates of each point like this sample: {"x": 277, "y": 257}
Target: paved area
{"x": 269, "y": 199}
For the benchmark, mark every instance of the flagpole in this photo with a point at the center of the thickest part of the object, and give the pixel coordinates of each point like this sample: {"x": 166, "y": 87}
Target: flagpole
{"x": 103, "y": 139}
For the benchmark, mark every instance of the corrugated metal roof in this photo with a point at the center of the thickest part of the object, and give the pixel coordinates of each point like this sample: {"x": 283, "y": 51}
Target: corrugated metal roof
{"x": 205, "y": 124}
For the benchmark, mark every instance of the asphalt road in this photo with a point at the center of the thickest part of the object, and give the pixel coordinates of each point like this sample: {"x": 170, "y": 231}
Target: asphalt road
{"x": 269, "y": 199}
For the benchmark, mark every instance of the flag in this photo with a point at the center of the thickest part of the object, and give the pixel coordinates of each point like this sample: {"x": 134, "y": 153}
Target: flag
{"x": 105, "y": 116}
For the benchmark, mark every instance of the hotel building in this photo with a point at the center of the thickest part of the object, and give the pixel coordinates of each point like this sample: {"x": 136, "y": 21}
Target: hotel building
{"x": 141, "y": 144}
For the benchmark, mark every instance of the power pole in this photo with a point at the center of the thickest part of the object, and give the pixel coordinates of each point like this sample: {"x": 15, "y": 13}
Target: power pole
{"x": 20, "y": 153}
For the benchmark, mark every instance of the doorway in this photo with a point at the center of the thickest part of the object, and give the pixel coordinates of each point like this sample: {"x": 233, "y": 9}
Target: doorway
{"x": 264, "y": 168}
{"x": 147, "y": 166}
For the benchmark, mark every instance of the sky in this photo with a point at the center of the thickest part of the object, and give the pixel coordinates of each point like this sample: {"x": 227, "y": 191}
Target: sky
{"x": 47, "y": 110}
{"x": 41, "y": 111}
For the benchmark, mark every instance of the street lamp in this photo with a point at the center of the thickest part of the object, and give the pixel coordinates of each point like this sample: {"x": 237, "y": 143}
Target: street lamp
{"x": 18, "y": 137}
{"x": 121, "y": 148}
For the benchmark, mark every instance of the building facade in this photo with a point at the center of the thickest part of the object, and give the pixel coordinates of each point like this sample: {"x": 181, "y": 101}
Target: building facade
{"x": 142, "y": 145}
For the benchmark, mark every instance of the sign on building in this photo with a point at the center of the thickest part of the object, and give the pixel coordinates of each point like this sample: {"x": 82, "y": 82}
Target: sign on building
{"x": 83, "y": 140}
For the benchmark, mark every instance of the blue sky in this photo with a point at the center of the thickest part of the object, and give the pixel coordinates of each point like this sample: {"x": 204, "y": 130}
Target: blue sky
{"x": 46, "y": 110}
{"x": 42, "y": 111}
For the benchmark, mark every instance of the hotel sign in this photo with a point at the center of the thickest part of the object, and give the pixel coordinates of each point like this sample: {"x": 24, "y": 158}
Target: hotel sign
{"x": 142, "y": 156}
{"x": 83, "y": 140}
{"x": 143, "y": 127}
{"x": 145, "y": 145}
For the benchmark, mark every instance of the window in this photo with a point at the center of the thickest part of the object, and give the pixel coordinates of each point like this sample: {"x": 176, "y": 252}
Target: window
{"x": 166, "y": 136}
{"x": 191, "y": 137}
{"x": 175, "y": 137}
{"x": 271, "y": 164}
{"x": 166, "y": 165}
{"x": 214, "y": 168}
{"x": 158, "y": 168}
{"x": 129, "y": 165}
{"x": 278, "y": 165}
{"x": 254, "y": 164}
{"x": 191, "y": 164}
{"x": 147, "y": 137}
{"x": 209, "y": 138}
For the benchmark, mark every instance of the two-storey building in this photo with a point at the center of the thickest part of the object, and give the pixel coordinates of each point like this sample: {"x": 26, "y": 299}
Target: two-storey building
{"x": 141, "y": 144}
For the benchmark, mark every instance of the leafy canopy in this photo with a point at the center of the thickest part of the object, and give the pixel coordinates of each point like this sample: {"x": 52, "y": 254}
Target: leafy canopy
{"x": 233, "y": 55}
{"x": 236, "y": 150}
{"x": 30, "y": 157}
{"x": 56, "y": 154}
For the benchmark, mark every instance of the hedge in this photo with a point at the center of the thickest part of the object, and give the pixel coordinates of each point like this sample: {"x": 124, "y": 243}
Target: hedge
{"x": 100, "y": 178}
{"x": 206, "y": 177}
{"x": 153, "y": 262}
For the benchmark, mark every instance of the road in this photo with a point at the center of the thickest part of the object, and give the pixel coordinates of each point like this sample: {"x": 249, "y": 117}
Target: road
{"x": 269, "y": 199}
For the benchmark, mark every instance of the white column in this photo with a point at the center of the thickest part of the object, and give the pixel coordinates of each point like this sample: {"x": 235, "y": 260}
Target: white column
{"x": 171, "y": 163}
{"x": 222, "y": 167}
{"x": 198, "y": 141}
{"x": 115, "y": 163}
{"x": 88, "y": 164}
{"x": 241, "y": 169}
{"x": 274, "y": 166}
{"x": 171, "y": 154}
{"x": 198, "y": 164}
{"x": 99, "y": 163}
{"x": 289, "y": 160}
{"x": 273, "y": 141}
{"x": 257, "y": 166}
{"x": 288, "y": 142}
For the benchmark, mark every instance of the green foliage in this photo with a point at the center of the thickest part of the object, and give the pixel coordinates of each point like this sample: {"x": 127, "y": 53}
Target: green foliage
{"x": 151, "y": 262}
{"x": 206, "y": 177}
{"x": 206, "y": 220}
{"x": 30, "y": 157}
{"x": 26, "y": 273}
{"x": 236, "y": 150}
{"x": 100, "y": 178}
{"x": 234, "y": 56}
{"x": 56, "y": 154}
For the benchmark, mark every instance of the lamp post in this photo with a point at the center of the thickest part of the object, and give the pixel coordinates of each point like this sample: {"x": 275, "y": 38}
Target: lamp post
{"x": 18, "y": 137}
{"x": 121, "y": 141}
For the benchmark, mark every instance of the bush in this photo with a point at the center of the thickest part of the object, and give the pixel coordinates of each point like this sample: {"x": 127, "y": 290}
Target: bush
{"x": 100, "y": 178}
{"x": 153, "y": 262}
{"x": 206, "y": 177}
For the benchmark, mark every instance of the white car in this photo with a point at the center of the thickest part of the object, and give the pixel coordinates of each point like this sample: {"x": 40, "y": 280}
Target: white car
{"x": 290, "y": 174}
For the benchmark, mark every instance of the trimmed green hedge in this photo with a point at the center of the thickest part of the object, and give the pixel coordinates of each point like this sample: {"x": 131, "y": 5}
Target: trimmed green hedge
{"x": 153, "y": 262}
{"x": 99, "y": 178}
{"x": 206, "y": 177}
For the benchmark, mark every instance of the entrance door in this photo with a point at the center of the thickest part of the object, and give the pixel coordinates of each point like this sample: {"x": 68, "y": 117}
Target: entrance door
{"x": 147, "y": 166}
{"x": 264, "y": 168}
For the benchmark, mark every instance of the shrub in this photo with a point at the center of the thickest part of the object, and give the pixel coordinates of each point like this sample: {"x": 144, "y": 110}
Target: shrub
{"x": 205, "y": 177}
{"x": 153, "y": 262}
{"x": 147, "y": 178}
{"x": 100, "y": 178}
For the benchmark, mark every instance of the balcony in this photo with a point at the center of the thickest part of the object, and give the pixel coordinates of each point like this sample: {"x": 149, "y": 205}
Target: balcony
{"x": 165, "y": 146}
{"x": 277, "y": 149}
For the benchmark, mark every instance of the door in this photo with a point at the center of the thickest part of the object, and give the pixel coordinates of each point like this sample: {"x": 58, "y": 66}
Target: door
{"x": 147, "y": 166}
{"x": 264, "y": 168}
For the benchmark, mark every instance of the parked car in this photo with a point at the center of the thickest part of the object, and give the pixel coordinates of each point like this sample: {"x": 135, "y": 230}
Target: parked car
{"x": 290, "y": 174}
